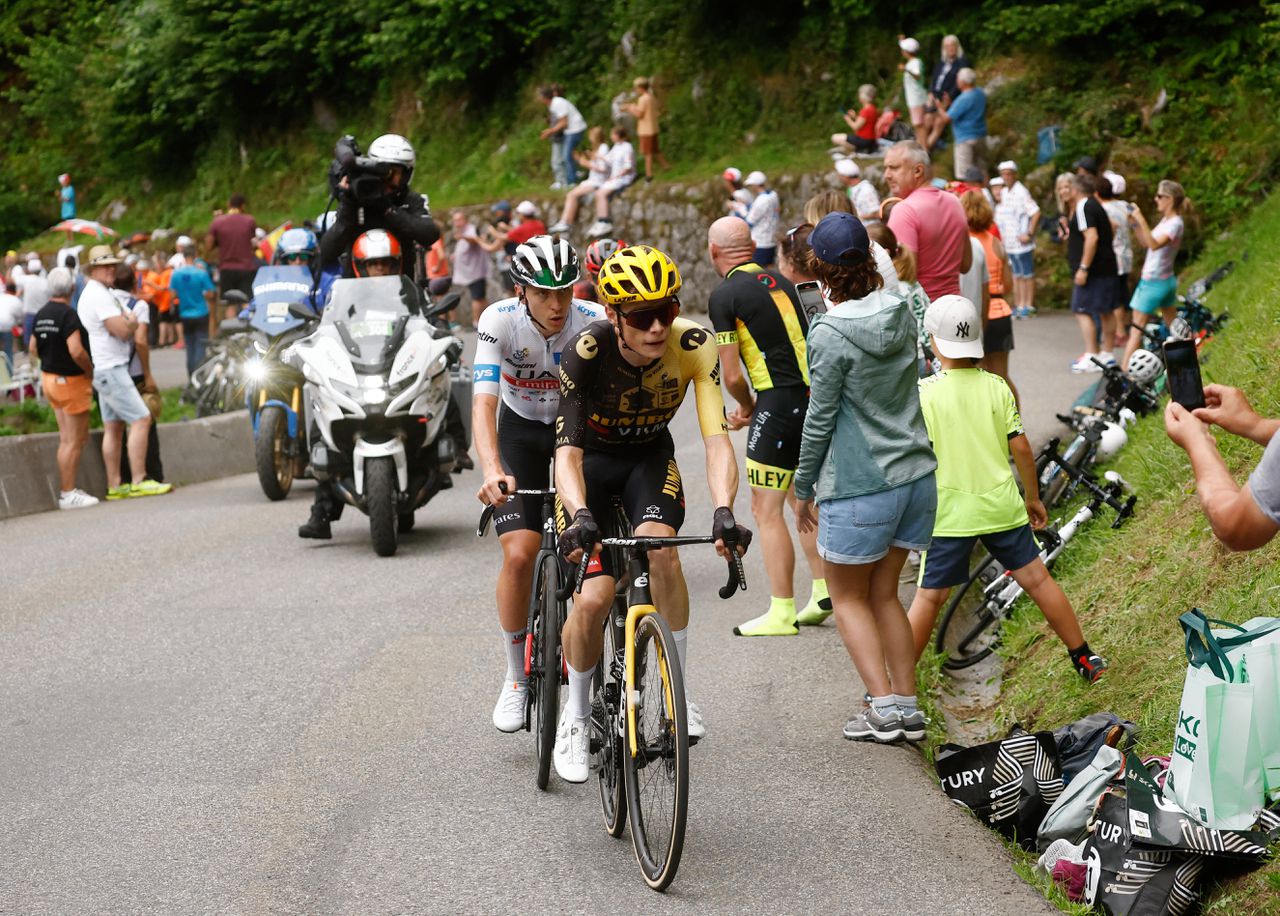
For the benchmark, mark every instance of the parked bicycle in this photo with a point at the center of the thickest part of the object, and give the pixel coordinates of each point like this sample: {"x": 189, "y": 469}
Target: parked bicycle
{"x": 217, "y": 385}
{"x": 639, "y": 730}
{"x": 544, "y": 665}
{"x": 971, "y": 624}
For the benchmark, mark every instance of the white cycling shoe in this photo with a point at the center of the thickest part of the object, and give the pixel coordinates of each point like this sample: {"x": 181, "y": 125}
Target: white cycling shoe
{"x": 571, "y": 755}
{"x": 508, "y": 713}
{"x": 693, "y": 715}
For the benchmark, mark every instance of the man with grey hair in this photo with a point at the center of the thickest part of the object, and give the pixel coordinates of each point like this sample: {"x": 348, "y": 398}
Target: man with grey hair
{"x": 968, "y": 118}
{"x": 929, "y": 221}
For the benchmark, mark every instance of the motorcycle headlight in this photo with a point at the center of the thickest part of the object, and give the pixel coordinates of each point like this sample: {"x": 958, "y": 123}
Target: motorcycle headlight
{"x": 374, "y": 396}
{"x": 255, "y": 370}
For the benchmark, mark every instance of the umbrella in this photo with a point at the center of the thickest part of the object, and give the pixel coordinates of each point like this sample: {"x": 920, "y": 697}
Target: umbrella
{"x": 137, "y": 238}
{"x": 84, "y": 227}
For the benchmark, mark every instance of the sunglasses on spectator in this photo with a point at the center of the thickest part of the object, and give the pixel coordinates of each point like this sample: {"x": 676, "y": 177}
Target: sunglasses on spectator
{"x": 662, "y": 312}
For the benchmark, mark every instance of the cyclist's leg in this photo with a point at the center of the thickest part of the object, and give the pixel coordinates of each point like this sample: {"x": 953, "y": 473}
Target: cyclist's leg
{"x": 653, "y": 497}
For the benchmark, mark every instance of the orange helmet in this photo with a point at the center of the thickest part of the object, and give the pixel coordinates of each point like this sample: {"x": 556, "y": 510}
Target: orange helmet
{"x": 374, "y": 245}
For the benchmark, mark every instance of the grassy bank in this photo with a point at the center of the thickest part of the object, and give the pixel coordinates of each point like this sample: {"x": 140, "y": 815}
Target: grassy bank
{"x": 34, "y": 417}
{"x": 1129, "y": 586}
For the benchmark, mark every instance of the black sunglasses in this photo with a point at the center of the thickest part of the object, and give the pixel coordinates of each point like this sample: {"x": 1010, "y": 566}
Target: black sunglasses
{"x": 642, "y": 319}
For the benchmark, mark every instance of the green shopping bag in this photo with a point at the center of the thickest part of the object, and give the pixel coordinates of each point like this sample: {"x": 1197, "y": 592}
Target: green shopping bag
{"x": 1216, "y": 770}
{"x": 1257, "y": 662}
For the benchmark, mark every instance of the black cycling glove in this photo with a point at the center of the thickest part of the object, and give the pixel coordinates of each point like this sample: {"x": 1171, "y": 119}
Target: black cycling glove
{"x": 726, "y": 529}
{"x": 582, "y": 532}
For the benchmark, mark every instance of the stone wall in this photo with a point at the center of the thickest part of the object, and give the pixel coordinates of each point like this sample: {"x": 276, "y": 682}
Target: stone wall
{"x": 675, "y": 217}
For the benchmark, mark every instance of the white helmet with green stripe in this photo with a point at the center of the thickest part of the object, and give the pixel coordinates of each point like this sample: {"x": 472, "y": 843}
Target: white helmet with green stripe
{"x": 545, "y": 262}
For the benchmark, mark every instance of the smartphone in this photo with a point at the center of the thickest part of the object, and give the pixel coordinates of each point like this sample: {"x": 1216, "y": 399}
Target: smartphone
{"x": 1183, "y": 369}
{"x": 811, "y": 300}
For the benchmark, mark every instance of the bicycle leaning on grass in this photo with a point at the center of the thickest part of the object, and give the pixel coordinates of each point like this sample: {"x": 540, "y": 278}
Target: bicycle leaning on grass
{"x": 971, "y": 624}
{"x": 639, "y": 728}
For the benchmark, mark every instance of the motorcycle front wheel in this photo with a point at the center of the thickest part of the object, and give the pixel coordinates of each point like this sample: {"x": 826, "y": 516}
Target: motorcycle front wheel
{"x": 271, "y": 453}
{"x": 380, "y": 498}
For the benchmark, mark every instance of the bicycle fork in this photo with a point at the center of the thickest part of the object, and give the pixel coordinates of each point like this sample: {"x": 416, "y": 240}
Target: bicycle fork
{"x": 639, "y": 605}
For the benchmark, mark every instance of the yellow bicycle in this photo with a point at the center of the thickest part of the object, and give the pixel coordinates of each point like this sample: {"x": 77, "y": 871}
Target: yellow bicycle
{"x": 640, "y": 747}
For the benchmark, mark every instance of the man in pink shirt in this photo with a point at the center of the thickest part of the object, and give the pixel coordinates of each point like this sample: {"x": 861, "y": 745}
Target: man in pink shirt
{"x": 232, "y": 234}
{"x": 929, "y": 221}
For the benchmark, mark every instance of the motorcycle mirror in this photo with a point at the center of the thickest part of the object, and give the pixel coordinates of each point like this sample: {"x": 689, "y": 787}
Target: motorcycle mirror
{"x": 235, "y": 297}
{"x": 300, "y": 311}
{"x": 447, "y": 304}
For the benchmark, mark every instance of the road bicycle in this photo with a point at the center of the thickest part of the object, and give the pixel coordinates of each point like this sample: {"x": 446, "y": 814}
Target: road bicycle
{"x": 639, "y": 729}
{"x": 217, "y": 385}
{"x": 971, "y": 624}
{"x": 544, "y": 666}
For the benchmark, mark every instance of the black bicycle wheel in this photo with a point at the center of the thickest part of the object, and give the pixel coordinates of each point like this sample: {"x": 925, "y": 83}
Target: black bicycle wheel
{"x": 657, "y": 775}
{"x": 606, "y": 743}
{"x": 967, "y": 616}
{"x": 544, "y": 668}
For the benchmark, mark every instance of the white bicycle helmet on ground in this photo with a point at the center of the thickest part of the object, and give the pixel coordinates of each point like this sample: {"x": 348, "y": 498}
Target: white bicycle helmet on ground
{"x": 1144, "y": 367}
{"x": 1113, "y": 439}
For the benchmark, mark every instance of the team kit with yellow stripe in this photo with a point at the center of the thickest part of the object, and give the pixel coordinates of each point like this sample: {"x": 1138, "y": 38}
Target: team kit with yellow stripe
{"x": 756, "y": 309}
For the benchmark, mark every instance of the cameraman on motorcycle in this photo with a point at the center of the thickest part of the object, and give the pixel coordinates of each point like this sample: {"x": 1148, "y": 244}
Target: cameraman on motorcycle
{"x": 373, "y": 193}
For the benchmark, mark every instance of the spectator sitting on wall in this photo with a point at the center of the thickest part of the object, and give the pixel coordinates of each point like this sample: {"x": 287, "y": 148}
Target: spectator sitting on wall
{"x": 862, "y": 123}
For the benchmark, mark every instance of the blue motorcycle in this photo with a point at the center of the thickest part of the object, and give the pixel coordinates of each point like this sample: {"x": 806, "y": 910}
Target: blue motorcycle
{"x": 280, "y": 313}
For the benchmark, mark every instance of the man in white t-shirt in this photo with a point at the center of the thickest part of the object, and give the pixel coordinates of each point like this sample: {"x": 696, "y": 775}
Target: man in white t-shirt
{"x": 34, "y": 290}
{"x": 111, "y": 327}
{"x": 565, "y": 131}
{"x": 1017, "y": 216}
{"x": 622, "y": 171}
{"x": 862, "y": 193}
{"x": 10, "y": 317}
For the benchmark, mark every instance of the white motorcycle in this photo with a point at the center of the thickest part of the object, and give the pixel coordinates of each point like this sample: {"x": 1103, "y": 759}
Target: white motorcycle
{"x": 377, "y": 388}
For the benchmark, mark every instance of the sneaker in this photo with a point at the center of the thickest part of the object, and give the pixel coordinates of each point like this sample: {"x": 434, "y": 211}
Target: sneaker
{"x": 76, "y": 499}
{"x": 1107, "y": 358}
{"x": 508, "y": 712}
{"x": 870, "y": 725}
{"x": 557, "y": 228}
{"x": 913, "y": 724}
{"x": 570, "y": 755}
{"x": 120, "y": 492}
{"x": 316, "y": 527}
{"x": 1086, "y": 364}
{"x": 767, "y": 624}
{"x": 149, "y": 487}
{"x": 814, "y": 613}
{"x": 600, "y": 228}
{"x": 180, "y": 345}
{"x": 1090, "y": 667}
{"x": 693, "y": 715}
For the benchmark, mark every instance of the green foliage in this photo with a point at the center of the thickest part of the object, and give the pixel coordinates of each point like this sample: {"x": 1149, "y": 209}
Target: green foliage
{"x": 32, "y": 416}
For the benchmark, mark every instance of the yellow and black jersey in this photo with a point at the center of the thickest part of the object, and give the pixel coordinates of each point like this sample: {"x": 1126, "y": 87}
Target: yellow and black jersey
{"x": 605, "y": 402}
{"x": 758, "y": 310}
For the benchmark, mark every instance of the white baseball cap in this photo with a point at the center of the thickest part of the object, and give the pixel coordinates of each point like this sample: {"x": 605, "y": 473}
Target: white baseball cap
{"x": 848, "y": 168}
{"x": 1007, "y": 166}
{"x": 185, "y": 241}
{"x": 996, "y": 182}
{"x": 956, "y": 328}
{"x": 527, "y": 208}
{"x": 34, "y": 266}
{"x": 755, "y": 178}
{"x": 910, "y": 45}
{"x": 1118, "y": 183}
{"x": 732, "y": 174}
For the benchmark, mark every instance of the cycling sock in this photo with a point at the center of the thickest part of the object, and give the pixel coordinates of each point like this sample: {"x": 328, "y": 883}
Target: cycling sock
{"x": 779, "y": 620}
{"x": 515, "y": 655}
{"x": 883, "y": 706}
{"x": 819, "y": 607}
{"x": 906, "y": 705}
{"x": 579, "y": 703}
{"x": 681, "y": 638}
{"x": 820, "y": 595}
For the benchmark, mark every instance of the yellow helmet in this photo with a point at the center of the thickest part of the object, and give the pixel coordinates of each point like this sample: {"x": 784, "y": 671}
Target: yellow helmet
{"x": 638, "y": 274}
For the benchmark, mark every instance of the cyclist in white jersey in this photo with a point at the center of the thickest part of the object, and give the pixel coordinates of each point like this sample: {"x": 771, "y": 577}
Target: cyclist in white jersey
{"x": 517, "y": 363}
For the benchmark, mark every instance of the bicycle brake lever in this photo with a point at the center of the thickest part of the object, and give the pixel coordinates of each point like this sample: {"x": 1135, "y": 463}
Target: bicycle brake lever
{"x": 485, "y": 517}
{"x": 737, "y": 576}
{"x": 1124, "y": 511}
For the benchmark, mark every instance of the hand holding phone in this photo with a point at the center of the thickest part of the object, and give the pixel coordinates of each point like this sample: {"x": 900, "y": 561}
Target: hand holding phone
{"x": 810, "y": 296}
{"x": 1183, "y": 370}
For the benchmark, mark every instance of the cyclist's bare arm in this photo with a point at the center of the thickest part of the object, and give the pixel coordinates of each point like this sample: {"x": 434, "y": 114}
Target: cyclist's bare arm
{"x": 484, "y": 431}
{"x": 722, "y": 470}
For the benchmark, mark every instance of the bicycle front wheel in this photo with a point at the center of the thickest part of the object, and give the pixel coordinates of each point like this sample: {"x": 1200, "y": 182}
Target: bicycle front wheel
{"x": 962, "y": 634}
{"x": 657, "y": 775}
{"x": 544, "y": 674}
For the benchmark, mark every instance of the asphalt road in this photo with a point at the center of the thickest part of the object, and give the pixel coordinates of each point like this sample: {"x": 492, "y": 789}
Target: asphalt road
{"x": 200, "y": 712}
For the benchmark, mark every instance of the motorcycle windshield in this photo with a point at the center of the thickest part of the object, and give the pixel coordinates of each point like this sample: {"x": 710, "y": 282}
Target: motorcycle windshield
{"x": 274, "y": 289}
{"x": 369, "y": 315}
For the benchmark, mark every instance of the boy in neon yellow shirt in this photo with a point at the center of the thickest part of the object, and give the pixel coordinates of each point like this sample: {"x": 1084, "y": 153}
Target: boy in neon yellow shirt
{"x": 974, "y": 427}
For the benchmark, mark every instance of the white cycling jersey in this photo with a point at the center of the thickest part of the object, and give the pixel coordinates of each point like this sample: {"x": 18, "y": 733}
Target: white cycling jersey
{"x": 515, "y": 362}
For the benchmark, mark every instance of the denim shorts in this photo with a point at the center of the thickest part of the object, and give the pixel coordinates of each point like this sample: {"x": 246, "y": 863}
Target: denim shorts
{"x": 118, "y": 396}
{"x": 861, "y": 529}
{"x": 1153, "y": 295}
{"x": 1022, "y": 264}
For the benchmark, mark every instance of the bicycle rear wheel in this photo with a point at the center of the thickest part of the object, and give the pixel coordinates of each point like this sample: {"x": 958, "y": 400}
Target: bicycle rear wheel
{"x": 657, "y": 777}
{"x": 544, "y": 667}
{"x": 962, "y": 635}
{"x": 607, "y": 743}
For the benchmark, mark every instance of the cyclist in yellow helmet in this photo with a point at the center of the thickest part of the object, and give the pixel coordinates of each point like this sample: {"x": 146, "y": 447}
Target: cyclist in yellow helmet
{"x": 621, "y": 382}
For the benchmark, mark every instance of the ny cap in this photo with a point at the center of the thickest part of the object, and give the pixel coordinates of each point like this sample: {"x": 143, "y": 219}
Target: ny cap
{"x": 956, "y": 328}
